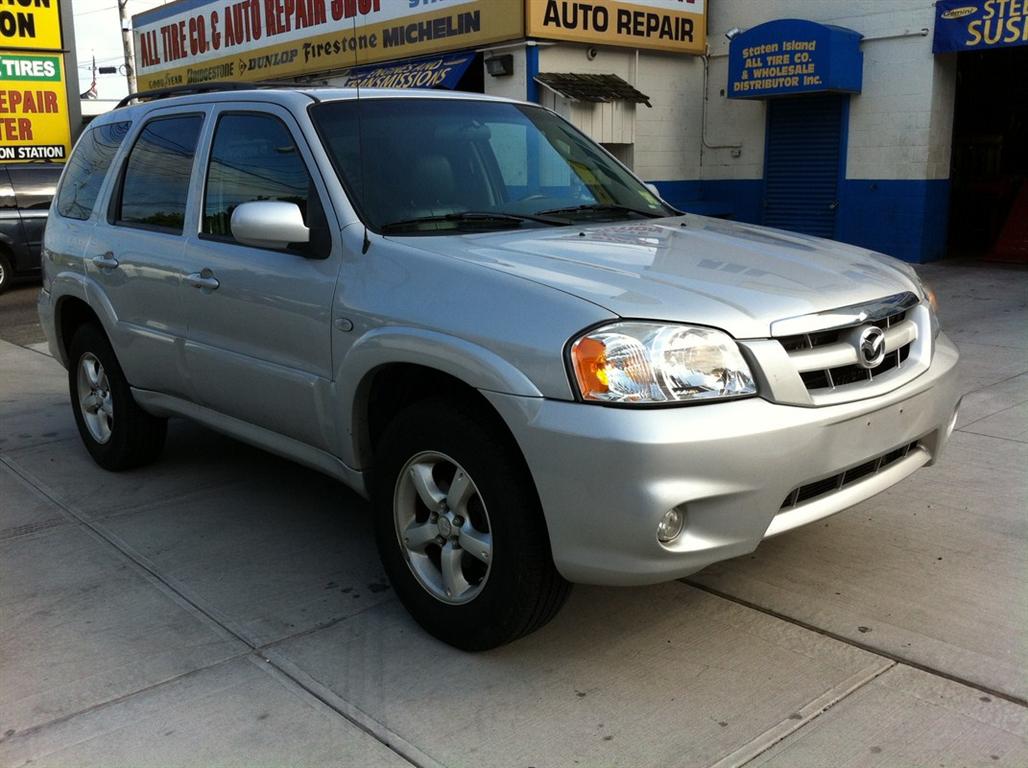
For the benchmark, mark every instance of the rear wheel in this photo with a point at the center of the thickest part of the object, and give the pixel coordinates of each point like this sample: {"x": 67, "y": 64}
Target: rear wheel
{"x": 460, "y": 530}
{"x": 117, "y": 433}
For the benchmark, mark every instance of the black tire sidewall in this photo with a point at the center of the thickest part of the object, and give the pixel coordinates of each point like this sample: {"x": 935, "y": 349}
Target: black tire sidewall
{"x": 520, "y": 547}
{"x": 109, "y": 455}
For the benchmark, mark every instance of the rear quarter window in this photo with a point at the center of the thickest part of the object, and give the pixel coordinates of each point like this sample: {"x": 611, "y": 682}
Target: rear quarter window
{"x": 87, "y": 169}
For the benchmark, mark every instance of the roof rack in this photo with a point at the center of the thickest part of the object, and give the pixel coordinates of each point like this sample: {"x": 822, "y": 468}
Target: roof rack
{"x": 182, "y": 90}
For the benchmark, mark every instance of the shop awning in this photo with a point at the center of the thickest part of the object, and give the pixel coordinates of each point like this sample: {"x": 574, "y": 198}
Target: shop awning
{"x": 430, "y": 72}
{"x": 594, "y": 88}
{"x": 964, "y": 25}
{"x": 785, "y": 57}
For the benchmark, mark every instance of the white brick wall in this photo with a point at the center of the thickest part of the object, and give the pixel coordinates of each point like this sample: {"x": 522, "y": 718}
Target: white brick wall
{"x": 900, "y": 125}
{"x": 511, "y": 86}
{"x": 667, "y": 137}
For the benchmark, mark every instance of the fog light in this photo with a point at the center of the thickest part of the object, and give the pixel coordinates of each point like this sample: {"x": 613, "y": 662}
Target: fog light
{"x": 671, "y": 525}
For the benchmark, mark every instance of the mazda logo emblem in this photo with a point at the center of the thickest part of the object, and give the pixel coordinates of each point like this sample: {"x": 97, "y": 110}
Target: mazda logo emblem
{"x": 871, "y": 347}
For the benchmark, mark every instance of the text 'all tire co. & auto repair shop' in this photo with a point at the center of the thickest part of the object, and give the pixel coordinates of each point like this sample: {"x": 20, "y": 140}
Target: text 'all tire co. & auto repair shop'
{"x": 895, "y": 125}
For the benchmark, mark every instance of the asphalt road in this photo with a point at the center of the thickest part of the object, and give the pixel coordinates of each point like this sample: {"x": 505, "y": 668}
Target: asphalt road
{"x": 19, "y": 323}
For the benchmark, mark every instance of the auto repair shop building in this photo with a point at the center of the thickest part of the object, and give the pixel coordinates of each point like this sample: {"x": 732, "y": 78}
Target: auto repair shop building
{"x": 891, "y": 125}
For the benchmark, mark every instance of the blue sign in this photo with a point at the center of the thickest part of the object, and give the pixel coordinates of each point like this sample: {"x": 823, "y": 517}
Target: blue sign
{"x": 971, "y": 25}
{"x": 790, "y": 56}
{"x": 430, "y": 72}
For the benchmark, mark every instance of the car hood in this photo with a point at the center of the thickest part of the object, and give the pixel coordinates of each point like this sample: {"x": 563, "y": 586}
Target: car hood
{"x": 692, "y": 269}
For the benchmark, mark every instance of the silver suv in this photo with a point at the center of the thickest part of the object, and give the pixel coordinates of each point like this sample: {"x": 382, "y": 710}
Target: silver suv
{"x": 463, "y": 308}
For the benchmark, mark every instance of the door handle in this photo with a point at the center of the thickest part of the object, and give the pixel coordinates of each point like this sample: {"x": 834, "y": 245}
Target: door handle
{"x": 106, "y": 261}
{"x": 203, "y": 280}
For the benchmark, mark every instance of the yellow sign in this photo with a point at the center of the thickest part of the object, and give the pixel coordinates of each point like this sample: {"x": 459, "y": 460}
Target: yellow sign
{"x": 271, "y": 39}
{"x": 33, "y": 108}
{"x": 33, "y": 24}
{"x": 665, "y": 25}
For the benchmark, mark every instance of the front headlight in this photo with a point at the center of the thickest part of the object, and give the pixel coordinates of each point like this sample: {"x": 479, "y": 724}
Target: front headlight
{"x": 646, "y": 363}
{"x": 930, "y": 297}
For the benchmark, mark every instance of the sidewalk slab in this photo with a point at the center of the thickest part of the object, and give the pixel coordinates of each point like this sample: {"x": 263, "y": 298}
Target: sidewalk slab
{"x": 1010, "y": 423}
{"x": 993, "y": 399}
{"x": 982, "y": 367}
{"x": 194, "y": 460}
{"x": 279, "y": 551}
{"x": 234, "y": 714}
{"x": 981, "y": 304}
{"x": 909, "y": 718}
{"x": 661, "y": 676}
{"x": 23, "y": 510}
{"x": 82, "y": 626}
{"x": 931, "y": 571}
{"x": 33, "y": 399}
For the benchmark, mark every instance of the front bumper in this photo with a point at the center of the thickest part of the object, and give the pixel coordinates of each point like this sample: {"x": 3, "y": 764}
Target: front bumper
{"x": 606, "y": 476}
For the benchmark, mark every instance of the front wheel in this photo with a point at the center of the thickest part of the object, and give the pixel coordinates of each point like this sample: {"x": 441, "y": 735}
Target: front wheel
{"x": 117, "y": 433}
{"x": 460, "y": 530}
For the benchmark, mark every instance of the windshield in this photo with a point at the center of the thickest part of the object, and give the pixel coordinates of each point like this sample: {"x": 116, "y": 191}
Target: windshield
{"x": 426, "y": 165}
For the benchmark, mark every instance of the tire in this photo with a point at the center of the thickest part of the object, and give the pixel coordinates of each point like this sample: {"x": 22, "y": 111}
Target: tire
{"x": 6, "y": 273}
{"x": 513, "y": 587}
{"x": 117, "y": 433}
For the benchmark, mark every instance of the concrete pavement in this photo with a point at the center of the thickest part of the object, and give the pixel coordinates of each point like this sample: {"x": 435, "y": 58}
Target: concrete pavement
{"x": 225, "y": 607}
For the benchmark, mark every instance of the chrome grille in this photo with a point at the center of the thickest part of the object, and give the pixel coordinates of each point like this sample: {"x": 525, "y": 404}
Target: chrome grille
{"x": 827, "y": 359}
{"x": 840, "y": 480}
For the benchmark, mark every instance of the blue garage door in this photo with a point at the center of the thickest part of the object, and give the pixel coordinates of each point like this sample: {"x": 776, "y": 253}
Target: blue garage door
{"x": 801, "y": 163}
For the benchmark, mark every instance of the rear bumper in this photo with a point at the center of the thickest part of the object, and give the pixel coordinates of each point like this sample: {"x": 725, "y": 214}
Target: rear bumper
{"x": 606, "y": 476}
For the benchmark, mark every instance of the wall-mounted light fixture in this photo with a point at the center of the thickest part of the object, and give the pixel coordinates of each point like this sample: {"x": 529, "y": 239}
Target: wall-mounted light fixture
{"x": 500, "y": 66}
{"x": 733, "y": 33}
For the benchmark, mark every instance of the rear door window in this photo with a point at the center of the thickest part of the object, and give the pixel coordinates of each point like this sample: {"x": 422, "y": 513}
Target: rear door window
{"x": 87, "y": 169}
{"x": 155, "y": 183}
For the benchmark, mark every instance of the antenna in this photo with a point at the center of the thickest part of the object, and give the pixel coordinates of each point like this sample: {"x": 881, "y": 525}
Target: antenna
{"x": 360, "y": 130}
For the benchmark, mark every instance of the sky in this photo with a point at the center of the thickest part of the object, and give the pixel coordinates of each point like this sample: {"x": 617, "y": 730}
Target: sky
{"x": 98, "y": 32}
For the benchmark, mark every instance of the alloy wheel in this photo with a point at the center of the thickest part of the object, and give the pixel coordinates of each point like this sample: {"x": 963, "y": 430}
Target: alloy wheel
{"x": 442, "y": 527}
{"x": 95, "y": 400}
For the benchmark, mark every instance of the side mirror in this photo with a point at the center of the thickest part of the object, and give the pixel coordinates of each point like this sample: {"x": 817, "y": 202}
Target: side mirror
{"x": 269, "y": 224}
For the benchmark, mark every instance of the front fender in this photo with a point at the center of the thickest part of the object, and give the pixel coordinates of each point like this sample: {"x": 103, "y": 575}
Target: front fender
{"x": 470, "y": 363}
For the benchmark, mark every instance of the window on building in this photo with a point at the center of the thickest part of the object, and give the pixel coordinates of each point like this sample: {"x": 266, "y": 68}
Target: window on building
{"x": 156, "y": 181}
{"x": 253, "y": 157}
{"x": 87, "y": 169}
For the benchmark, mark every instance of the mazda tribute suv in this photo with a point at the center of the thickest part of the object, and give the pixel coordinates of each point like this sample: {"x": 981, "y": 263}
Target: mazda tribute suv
{"x": 460, "y": 306}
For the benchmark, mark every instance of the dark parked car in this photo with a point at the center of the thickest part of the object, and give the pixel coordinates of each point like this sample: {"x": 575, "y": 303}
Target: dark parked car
{"x": 25, "y": 193}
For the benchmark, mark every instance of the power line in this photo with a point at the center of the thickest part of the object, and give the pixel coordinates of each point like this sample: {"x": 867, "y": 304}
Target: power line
{"x": 96, "y": 10}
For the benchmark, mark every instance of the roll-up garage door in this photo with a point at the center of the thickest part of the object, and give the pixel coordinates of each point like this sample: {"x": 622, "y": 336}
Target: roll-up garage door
{"x": 801, "y": 172}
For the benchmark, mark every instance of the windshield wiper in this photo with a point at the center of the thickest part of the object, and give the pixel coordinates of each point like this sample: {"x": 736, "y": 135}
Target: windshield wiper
{"x": 476, "y": 217}
{"x": 600, "y": 208}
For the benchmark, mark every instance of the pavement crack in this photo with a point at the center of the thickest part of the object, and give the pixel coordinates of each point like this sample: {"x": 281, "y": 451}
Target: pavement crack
{"x": 857, "y": 644}
{"x": 349, "y": 712}
{"x": 812, "y": 710}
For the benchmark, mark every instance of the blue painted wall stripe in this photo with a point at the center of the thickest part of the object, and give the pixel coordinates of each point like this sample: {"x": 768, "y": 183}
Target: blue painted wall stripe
{"x": 903, "y": 218}
{"x": 531, "y": 70}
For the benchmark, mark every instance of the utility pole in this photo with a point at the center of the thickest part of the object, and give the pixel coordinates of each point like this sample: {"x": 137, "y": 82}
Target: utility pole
{"x": 126, "y": 42}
